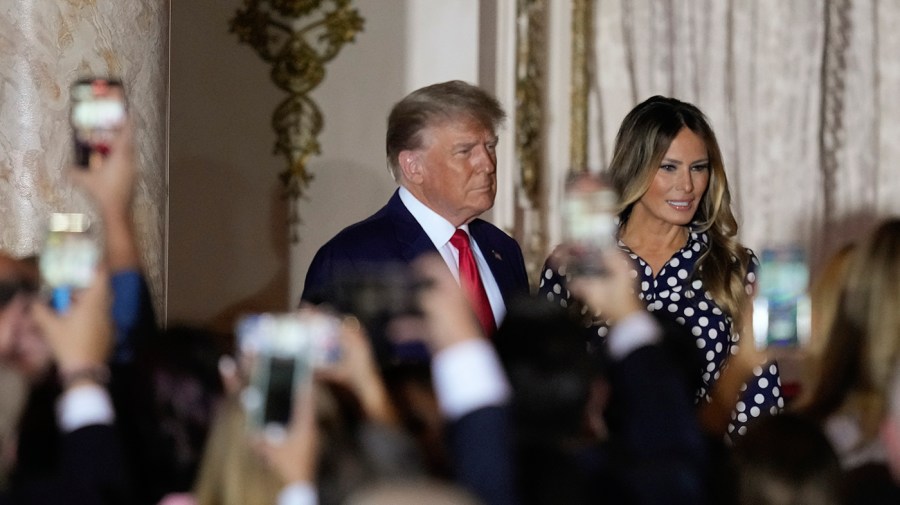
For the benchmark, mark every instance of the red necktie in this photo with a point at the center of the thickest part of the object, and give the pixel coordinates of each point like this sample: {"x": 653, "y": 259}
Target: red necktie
{"x": 471, "y": 282}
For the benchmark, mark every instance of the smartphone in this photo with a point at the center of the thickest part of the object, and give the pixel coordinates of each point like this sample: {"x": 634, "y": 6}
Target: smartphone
{"x": 781, "y": 309}
{"x": 98, "y": 111}
{"x": 385, "y": 299}
{"x": 68, "y": 258}
{"x": 589, "y": 223}
{"x": 277, "y": 382}
{"x": 280, "y": 352}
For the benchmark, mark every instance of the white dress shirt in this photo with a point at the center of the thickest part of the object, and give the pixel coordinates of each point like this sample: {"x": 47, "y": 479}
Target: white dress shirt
{"x": 468, "y": 376}
{"x": 439, "y": 230}
{"x": 298, "y": 493}
{"x": 84, "y": 406}
{"x": 634, "y": 331}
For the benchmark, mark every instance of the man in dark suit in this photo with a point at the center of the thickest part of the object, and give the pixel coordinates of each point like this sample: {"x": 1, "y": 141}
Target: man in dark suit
{"x": 441, "y": 149}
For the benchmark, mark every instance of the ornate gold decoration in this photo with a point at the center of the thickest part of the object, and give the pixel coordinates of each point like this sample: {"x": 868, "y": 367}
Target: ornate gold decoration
{"x": 297, "y": 37}
{"x": 582, "y": 39}
{"x": 530, "y": 62}
{"x": 531, "y": 201}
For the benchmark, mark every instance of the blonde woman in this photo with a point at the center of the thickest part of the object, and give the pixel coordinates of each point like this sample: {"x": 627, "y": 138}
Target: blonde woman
{"x": 825, "y": 297}
{"x": 676, "y": 224}
{"x": 331, "y": 447}
{"x": 861, "y": 351}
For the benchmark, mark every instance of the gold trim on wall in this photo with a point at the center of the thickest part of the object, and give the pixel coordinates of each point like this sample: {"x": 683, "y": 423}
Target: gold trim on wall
{"x": 530, "y": 79}
{"x": 582, "y": 38}
{"x": 532, "y": 220}
{"x": 297, "y": 37}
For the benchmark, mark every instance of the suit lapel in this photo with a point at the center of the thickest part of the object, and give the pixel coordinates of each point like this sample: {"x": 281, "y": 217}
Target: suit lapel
{"x": 495, "y": 257}
{"x": 409, "y": 233}
{"x": 414, "y": 242}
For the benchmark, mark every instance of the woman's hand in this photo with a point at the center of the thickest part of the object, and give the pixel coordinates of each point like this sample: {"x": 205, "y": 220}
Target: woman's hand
{"x": 82, "y": 338}
{"x": 295, "y": 458}
{"x": 356, "y": 370}
{"x": 111, "y": 183}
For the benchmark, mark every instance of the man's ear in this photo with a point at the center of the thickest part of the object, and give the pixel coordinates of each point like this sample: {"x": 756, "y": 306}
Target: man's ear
{"x": 411, "y": 165}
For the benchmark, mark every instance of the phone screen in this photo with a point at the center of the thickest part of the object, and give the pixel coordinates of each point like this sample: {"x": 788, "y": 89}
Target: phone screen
{"x": 278, "y": 352}
{"x": 69, "y": 257}
{"x": 589, "y": 222}
{"x": 98, "y": 111}
{"x": 279, "y": 391}
{"x": 781, "y": 308}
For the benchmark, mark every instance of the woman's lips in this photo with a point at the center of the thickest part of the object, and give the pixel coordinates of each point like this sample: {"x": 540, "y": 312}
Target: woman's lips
{"x": 680, "y": 204}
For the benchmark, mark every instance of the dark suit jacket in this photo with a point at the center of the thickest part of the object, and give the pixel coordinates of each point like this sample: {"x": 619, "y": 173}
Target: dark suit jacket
{"x": 656, "y": 452}
{"x": 482, "y": 453}
{"x": 393, "y": 236}
{"x": 89, "y": 469}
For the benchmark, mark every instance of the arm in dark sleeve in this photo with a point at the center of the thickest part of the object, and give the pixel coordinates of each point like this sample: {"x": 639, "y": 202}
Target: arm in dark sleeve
{"x": 93, "y": 467}
{"x": 660, "y": 455}
{"x": 134, "y": 321}
{"x": 133, "y": 314}
{"x": 481, "y": 449}
{"x": 320, "y": 277}
{"x": 88, "y": 466}
{"x": 91, "y": 471}
{"x": 473, "y": 396}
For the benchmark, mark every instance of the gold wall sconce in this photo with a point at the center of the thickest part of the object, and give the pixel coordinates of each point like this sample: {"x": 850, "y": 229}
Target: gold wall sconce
{"x": 297, "y": 37}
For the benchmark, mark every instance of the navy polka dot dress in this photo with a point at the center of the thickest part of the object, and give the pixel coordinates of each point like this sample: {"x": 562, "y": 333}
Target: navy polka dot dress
{"x": 675, "y": 294}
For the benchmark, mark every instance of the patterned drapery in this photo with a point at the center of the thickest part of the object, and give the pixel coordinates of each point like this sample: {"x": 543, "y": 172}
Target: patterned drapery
{"x": 44, "y": 47}
{"x": 800, "y": 95}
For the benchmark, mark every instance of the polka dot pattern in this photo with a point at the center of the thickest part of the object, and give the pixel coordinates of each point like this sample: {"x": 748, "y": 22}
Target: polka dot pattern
{"x": 694, "y": 309}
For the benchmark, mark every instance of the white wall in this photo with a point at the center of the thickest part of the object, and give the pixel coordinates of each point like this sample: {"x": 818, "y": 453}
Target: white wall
{"x": 442, "y": 37}
{"x": 227, "y": 234}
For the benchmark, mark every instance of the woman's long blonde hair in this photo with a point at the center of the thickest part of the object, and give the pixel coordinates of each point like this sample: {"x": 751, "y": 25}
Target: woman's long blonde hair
{"x": 642, "y": 142}
{"x": 825, "y": 299}
{"x": 231, "y": 473}
{"x": 863, "y": 344}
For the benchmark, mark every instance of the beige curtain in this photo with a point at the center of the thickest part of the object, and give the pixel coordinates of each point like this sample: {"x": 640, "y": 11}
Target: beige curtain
{"x": 800, "y": 94}
{"x": 44, "y": 46}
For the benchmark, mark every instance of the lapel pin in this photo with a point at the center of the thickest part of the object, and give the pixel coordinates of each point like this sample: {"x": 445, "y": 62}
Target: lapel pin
{"x": 497, "y": 255}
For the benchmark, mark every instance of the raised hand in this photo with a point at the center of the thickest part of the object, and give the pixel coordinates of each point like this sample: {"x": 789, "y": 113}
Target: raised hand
{"x": 82, "y": 338}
